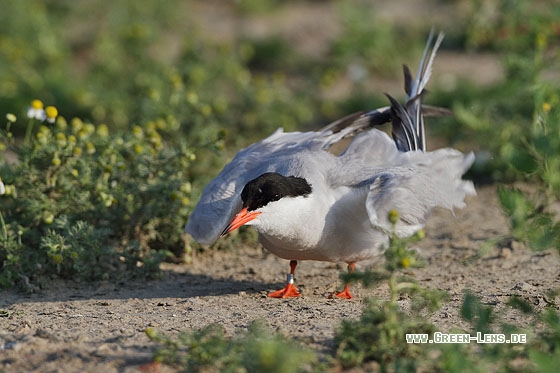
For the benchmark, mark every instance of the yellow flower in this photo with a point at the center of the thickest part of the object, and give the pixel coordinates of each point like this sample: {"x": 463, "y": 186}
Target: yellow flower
{"x": 546, "y": 107}
{"x": 77, "y": 125}
{"x": 61, "y": 139}
{"x": 7, "y": 189}
{"x": 138, "y": 132}
{"x": 150, "y": 127}
{"x": 186, "y": 187}
{"x": 393, "y": 216}
{"x": 192, "y": 98}
{"x": 37, "y": 104}
{"x": 155, "y": 139}
{"x": 405, "y": 262}
{"x": 72, "y": 139}
{"x": 56, "y": 161}
{"x": 151, "y": 332}
{"x": 35, "y": 111}
{"x": 49, "y": 219}
{"x": 90, "y": 148}
{"x": 89, "y": 128}
{"x": 51, "y": 113}
{"x": 82, "y": 134}
{"x": 421, "y": 234}
{"x": 61, "y": 123}
{"x": 103, "y": 130}
{"x": 42, "y": 134}
{"x": 75, "y": 172}
{"x": 107, "y": 199}
{"x": 77, "y": 151}
{"x": 57, "y": 258}
{"x": 161, "y": 123}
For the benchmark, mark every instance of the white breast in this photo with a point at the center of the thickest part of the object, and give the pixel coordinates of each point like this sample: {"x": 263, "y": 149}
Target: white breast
{"x": 331, "y": 226}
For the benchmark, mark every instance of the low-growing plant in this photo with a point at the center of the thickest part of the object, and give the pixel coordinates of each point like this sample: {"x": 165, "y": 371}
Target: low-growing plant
{"x": 365, "y": 45}
{"x": 380, "y": 333}
{"x": 539, "y": 352}
{"x": 378, "y": 339}
{"x": 517, "y": 125}
{"x": 536, "y": 159}
{"x": 82, "y": 202}
{"x": 379, "y": 336}
{"x": 141, "y": 62}
{"x": 531, "y": 221}
{"x": 255, "y": 350}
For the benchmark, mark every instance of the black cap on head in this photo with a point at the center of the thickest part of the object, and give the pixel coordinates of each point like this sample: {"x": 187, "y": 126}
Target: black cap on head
{"x": 270, "y": 187}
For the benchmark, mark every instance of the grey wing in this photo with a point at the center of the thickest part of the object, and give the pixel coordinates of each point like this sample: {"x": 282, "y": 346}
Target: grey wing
{"x": 220, "y": 199}
{"x": 412, "y": 183}
{"x": 414, "y": 188}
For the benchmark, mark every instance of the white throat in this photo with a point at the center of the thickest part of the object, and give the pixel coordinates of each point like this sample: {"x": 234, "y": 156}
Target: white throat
{"x": 291, "y": 222}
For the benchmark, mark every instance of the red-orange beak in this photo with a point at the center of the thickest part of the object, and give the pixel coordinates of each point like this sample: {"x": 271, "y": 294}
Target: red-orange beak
{"x": 243, "y": 217}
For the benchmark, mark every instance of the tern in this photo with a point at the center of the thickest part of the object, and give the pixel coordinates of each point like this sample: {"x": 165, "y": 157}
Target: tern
{"x": 326, "y": 195}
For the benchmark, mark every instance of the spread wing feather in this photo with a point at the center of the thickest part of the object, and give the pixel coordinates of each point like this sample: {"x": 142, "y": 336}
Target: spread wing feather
{"x": 397, "y": 173}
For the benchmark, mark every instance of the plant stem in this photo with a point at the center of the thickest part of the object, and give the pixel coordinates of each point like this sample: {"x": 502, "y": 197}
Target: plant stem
{"x": 28, "y": 132}
{"x": 406, "y": 285}
{"x": 393, "y": 288}
{"x": 4, "y": 227}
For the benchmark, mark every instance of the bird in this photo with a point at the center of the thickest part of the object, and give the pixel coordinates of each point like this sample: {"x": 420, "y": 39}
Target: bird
{"x": 326, "y": 195}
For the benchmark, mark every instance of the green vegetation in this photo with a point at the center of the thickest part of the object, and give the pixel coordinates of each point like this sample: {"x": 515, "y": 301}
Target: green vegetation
{"x": 256, "y": 350}
{"x": 380, "y": 334}
{"x": 378, "y": 341}
{"x": 522, "y": 126}
{"x": 81, "y": 202}
{"x": 145, "y": 106}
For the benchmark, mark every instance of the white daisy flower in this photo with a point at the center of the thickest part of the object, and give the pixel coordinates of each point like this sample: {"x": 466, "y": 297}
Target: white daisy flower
{"x": 36, "y": 111}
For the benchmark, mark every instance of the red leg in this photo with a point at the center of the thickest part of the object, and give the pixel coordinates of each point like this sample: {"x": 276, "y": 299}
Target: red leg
{"x": 345, "y": 293}
{"x": 290, "y": 290}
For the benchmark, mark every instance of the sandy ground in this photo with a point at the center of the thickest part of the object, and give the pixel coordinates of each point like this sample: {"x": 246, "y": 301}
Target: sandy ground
{"x": 80, "y": 327}
{"x": 75, "y": 327}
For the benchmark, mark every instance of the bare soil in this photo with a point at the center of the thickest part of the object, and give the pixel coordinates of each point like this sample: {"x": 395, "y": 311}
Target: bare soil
{"x": 81, "y": 327}
{"x": 86, "y": 327}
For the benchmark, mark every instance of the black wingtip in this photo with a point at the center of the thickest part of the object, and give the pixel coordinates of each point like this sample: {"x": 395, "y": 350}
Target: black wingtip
{"x": 401, "y": 128}
{"x": 407, "y": 119}
{"x": 407, "y": 80}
